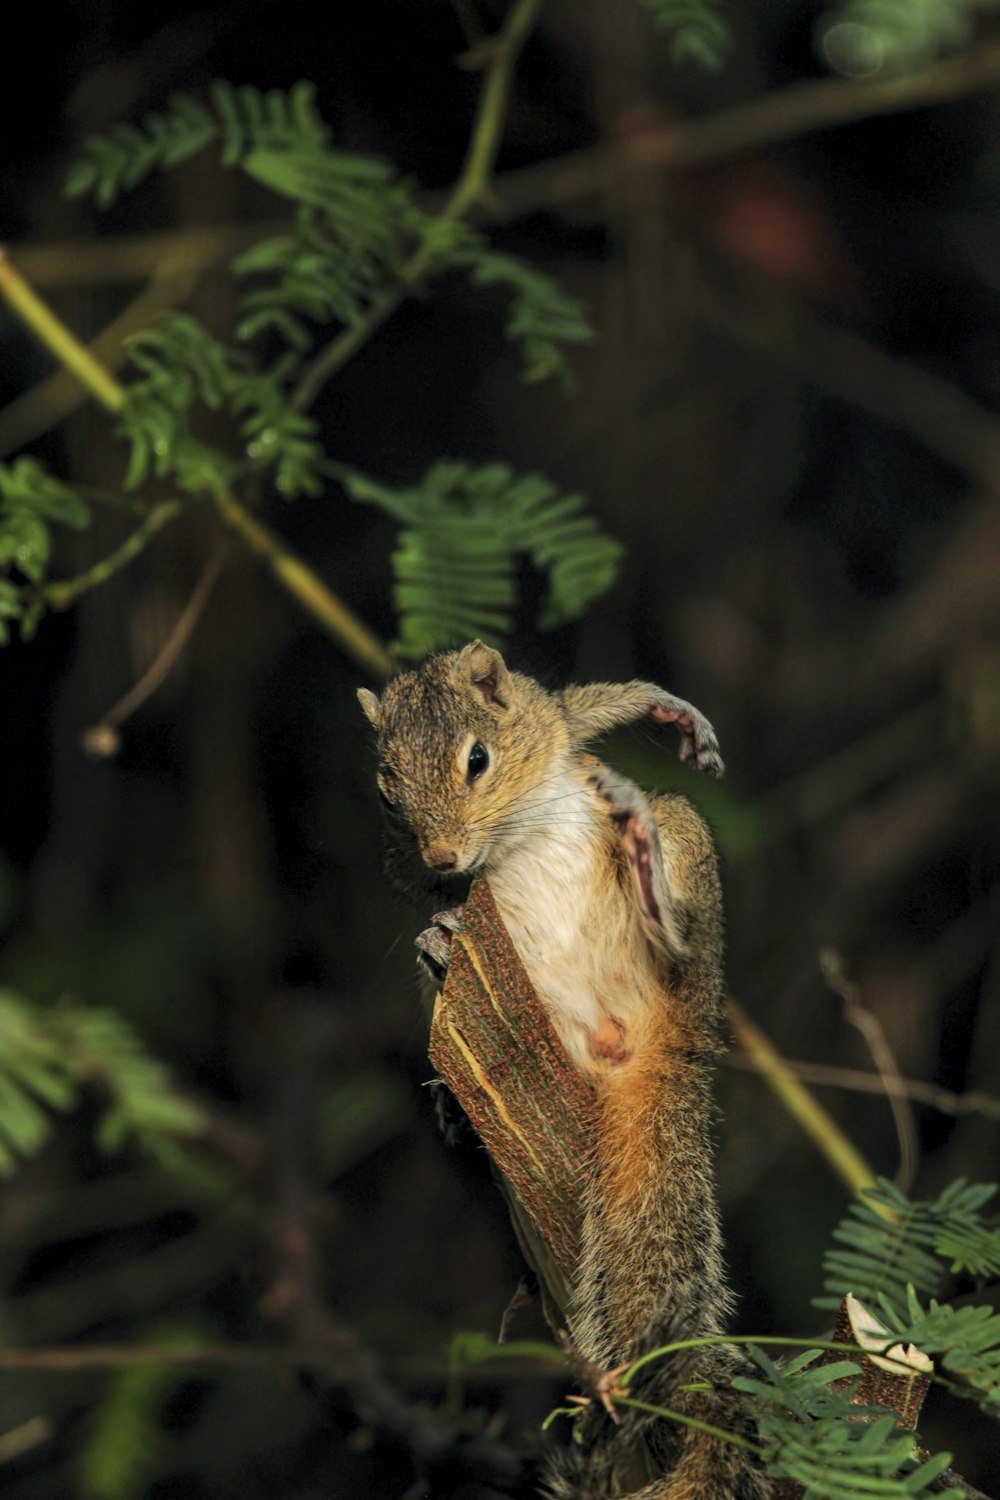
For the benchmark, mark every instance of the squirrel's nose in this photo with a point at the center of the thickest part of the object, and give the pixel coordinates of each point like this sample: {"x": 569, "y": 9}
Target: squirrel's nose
{"x": 440, "y": 856}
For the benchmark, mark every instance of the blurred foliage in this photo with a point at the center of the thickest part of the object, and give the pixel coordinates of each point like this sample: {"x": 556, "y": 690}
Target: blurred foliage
{"x": 30, "y": 501}
{"x": 124, "y": 1445}
{"x": 895, "y": 37}
{"x": 47, "y": 1057}
{"x": 699, "y": 30}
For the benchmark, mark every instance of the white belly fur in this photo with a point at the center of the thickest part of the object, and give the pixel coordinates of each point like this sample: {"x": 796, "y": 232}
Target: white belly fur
{"x": 570, "y": 923}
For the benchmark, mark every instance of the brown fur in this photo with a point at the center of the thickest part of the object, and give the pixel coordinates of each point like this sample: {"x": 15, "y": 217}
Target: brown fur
{"x": 613, "y": 902}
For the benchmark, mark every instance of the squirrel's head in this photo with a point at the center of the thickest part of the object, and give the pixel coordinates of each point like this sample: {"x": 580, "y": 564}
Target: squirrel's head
{"x": 462, "y": 743}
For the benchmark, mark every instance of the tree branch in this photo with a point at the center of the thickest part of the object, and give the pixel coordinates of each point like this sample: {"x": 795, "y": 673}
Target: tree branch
{"x": 857, "y": 1081}
{"x": 42, "y": 406}
{"x": 779, "y": 116}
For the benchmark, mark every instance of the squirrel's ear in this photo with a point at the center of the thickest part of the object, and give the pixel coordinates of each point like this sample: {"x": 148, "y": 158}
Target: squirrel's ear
{"x": 486, "y": 671}
{"x": 371, "y": 706}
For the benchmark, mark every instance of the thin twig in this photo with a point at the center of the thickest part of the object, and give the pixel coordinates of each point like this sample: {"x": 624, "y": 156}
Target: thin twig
{"x": 53, "y": 333}
{"x": 857, "y": 1014}
{"x": 855, "y": 1080}
{"x": 310, "y": 592}
{"x": 127, "y": 258}
{"x": 341, "y": 1364}
{"x": 102, "y": 739}
{"x": 60, "y": 593}
{"x": 20, "y": 1440}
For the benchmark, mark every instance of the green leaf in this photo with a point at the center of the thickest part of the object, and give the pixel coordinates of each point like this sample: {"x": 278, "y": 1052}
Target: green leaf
{"x": 699, "y": 32}
{"x": 891, "y": 1243}
{"x": 542, "y": 319}
{"x": 464, "y": 529}
{"x": 123, "y": 1441}
{"x": 813, "y": 1433}
{"x": 46, "y": 1057}
{"x": 34, "y": 1072}
{"x": 31, "y": 502}
{"x": 243, "y": 120}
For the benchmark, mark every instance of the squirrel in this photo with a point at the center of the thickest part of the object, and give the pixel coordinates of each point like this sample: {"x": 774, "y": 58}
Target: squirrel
{"x": 612, "y": 899}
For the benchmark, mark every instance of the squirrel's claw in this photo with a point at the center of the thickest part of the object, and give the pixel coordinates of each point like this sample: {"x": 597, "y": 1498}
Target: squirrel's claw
{"x": 434, "y": 943}
{"x": 698, "y": 738}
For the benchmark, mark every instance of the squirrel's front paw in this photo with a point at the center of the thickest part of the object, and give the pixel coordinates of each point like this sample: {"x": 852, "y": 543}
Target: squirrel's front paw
{"x": 698, "y": 738}
{"x": 434, "y": 943}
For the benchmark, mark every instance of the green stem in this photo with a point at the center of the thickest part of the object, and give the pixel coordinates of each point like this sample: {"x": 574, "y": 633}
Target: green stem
{"x": 689, "y": 1421}
{"x": 717, "y": 1340}
{"x": 63, "y": 592}
{"x": 484, "y": 143}
{"x": 469, "y": 190}
{"x": 307, "y": 589}
{"x": 40, "y": 320}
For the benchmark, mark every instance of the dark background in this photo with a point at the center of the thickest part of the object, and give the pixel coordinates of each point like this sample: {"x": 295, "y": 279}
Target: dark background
{"x": 786, "y": 416}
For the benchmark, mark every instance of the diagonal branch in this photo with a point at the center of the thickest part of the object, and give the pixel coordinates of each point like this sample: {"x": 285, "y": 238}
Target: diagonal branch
{"x": 746, "y": 127}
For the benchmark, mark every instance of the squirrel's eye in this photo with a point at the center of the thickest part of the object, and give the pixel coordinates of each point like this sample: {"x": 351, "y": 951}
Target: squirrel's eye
{"x": 479, "y": 759}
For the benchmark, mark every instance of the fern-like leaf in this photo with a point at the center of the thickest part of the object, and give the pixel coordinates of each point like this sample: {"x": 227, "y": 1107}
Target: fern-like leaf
{"x": 35, "y": 1077}
{"x": 46, "y": 1057}
{"x": 358, "y": 224}
{"x": 242, "y": 120}
{"x": 329, "y": 271}
{"x": 890, "y": 1243}
{"x": 894, "y": 37}
{"x": 814, "y": 1434}
{"x": 31, "y": 502}
{"x": 463, "y": 529}
{"x": 699, "y": 33}
{"x": 104, "y": 1050}
{"x": 542, "y": 319}
{"x": 181, "y": 365}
